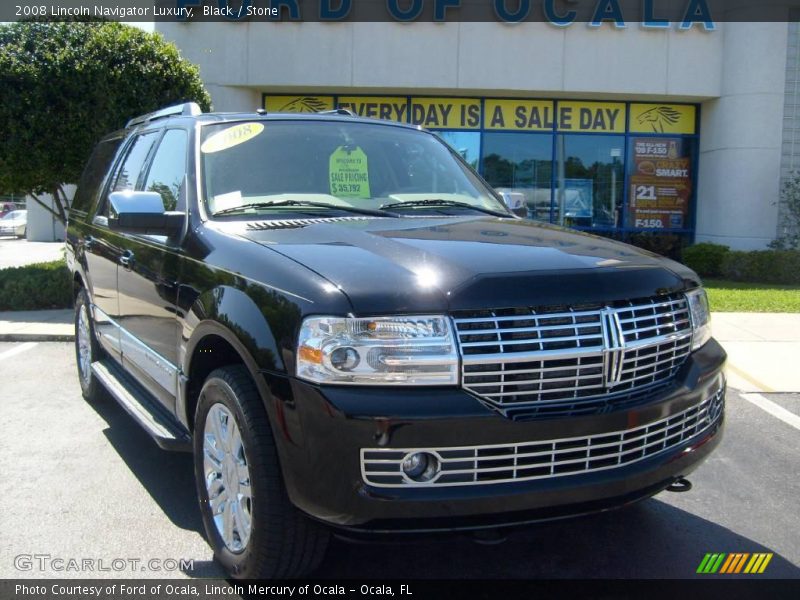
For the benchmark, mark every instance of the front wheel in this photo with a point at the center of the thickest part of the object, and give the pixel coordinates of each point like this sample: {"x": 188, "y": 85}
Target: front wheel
{"x": 87, "y": 350}
{"x": 250, "y": 523}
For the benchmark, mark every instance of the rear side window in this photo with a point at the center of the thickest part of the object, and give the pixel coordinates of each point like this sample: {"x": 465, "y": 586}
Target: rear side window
{"x": 168, "y": 169}
{"x": 94, "y": 173}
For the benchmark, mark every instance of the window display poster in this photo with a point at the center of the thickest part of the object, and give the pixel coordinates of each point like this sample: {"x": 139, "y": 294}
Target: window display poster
{"x": 660, "y": 184}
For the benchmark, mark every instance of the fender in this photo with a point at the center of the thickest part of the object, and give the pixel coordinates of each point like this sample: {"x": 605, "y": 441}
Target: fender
{"x": 235, "y": 311}
{"x": 236, "y": 317}
{"x": 215, "y": 328}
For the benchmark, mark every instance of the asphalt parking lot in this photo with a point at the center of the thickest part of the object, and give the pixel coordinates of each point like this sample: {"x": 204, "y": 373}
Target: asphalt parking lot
{"x": 83, "y": 481}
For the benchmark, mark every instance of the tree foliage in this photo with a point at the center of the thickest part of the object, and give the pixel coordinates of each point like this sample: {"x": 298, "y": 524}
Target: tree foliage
{"x": 65, "y": 85}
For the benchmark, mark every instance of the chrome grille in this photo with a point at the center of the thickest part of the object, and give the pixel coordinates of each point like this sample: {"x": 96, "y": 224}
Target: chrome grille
{"x": 505, "y": 463}
{"x": 555, "y": 356}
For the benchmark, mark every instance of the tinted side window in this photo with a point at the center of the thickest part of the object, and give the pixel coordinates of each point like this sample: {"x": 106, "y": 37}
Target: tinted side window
{"x": 94, "y": 173}
{"x": 168, "y": 169}
{"x": 128, "y": 173}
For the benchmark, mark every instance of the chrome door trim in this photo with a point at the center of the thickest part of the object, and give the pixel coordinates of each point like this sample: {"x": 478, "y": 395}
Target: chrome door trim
{"x": 132, "y": 349}
{"x": 107, "y": 330}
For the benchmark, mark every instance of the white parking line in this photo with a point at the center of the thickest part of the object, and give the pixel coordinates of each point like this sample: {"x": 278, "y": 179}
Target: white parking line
{"x": 17, "y": 350}
{"x": 774, "y": 409}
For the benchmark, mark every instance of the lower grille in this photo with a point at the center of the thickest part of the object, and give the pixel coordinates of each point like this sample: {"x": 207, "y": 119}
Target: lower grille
{"x": 507, "y": 463}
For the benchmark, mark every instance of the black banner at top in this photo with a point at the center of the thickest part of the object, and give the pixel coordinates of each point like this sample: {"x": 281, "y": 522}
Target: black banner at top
{"x": 655, "y": 14}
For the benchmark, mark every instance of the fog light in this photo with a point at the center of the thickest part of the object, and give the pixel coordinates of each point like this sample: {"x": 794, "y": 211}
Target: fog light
{"x": 420, "y": 466}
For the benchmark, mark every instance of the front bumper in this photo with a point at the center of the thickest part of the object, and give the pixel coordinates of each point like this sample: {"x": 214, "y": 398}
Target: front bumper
{"x": 322, "y": 431}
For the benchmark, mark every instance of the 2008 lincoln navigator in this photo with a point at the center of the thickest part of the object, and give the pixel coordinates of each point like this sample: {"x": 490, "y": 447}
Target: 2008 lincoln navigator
{"x": 351, "y": 331}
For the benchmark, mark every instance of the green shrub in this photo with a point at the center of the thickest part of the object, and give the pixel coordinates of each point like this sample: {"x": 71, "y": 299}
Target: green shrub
{"x": 763, "y": 266}
{"x": 705, "y": 259}
{"x": 34, "y": 287}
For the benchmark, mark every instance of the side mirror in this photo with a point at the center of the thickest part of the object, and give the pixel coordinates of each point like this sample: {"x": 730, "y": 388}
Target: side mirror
{"x": 142, "y": 212}
{"x": 515, "y": 201}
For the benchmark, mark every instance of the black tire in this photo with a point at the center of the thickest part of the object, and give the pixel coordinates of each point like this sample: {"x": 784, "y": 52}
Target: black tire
{"x": 282, "y": 541}
{"x": 91, "y": 388}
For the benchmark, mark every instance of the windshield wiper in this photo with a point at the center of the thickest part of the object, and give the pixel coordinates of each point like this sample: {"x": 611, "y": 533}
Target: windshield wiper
{"x": 443, "y": 203}
{"x": 362, "y": 211}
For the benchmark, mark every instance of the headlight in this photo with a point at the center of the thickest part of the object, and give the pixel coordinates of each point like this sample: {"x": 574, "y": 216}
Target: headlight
{"x": 407, "y": 350}
{"x": 701, "y": 317}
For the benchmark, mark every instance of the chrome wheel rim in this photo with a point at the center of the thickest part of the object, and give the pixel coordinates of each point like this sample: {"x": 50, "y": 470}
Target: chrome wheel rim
{"x": 227, "y": 478}
{"x": 84, "y": 345}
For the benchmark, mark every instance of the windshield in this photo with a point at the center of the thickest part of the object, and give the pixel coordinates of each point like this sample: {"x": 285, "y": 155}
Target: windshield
{"x": 13, "y": 215}
{"x": 336, "y": 164}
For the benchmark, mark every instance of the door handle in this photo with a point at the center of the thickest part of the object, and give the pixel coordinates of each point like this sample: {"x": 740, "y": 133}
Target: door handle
{"x": 126, "y": 260}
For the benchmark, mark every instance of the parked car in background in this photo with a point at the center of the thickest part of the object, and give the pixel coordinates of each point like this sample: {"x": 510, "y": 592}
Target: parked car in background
{"x": 7, "y": 207}
{"x": 351, "y": 333}
{"x": 14, "y": 223}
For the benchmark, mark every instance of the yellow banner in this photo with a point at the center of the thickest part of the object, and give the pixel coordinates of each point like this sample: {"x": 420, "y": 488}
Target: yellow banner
{"x": 446, "y": 113}
{"x": 389, "y": 108}
{"x": 298, "y": 104}
{"x": 662, "y": 118}
{"x": 575, "y": 116}
{"x": 594, "y": 117}
{"x": 519, "y": 115}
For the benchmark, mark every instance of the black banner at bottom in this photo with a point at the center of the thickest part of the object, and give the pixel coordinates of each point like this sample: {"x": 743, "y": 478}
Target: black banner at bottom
{"x": 213, "y": 589}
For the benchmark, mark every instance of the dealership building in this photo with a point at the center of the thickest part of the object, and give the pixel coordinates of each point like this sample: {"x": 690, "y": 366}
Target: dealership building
{"x": 609, "y": 129}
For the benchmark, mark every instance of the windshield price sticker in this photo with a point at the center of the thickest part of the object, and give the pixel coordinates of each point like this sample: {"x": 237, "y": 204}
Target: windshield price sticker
{"x": 349, "y": 173}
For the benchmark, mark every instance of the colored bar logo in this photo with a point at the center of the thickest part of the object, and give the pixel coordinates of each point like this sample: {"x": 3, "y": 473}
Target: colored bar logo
{"x": 734, "y": 563}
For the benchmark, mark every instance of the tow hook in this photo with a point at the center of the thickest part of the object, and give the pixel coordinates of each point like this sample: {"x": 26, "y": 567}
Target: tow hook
{"x": 488, "y": 537}
{"x": 680, "y": 485}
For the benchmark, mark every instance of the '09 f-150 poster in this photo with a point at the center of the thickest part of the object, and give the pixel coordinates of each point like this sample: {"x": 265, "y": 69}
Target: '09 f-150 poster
{"x": 660, "y": 184}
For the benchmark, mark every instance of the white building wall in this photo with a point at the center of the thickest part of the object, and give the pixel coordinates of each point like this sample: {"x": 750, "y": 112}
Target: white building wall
{"x": 737, "y": 73}
{"x": 517, "y": 59}
{"x": 42, "y": 225}
{"x": 740, "y": 141}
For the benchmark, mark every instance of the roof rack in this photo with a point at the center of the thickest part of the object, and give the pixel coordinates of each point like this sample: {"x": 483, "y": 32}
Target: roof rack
{"x": 187, "y": 109}
{"x": 338, "y": 111}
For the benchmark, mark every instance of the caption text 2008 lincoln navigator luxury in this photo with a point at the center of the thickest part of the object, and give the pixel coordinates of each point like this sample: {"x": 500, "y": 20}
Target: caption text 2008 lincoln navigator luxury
{"x": 351, "y": 332}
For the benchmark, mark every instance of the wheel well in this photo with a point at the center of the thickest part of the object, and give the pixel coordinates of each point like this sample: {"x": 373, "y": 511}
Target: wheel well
{"x": 212, "y": 352}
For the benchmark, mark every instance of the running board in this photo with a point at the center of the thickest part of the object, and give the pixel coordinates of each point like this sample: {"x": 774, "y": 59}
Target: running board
{"x": 141, "y": 407}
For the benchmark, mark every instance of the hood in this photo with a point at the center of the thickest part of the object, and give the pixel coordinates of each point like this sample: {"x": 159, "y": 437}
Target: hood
{"x": 425, "y": 264}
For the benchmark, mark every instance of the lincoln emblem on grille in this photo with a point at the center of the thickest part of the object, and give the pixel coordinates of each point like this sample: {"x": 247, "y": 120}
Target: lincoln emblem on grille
{"x": 613, "y": 348}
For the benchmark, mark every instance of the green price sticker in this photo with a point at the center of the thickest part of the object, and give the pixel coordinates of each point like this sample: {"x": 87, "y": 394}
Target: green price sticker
{"x": 349, "y": 173}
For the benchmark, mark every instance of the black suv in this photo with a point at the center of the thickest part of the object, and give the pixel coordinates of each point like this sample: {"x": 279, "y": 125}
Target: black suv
{"x": 352, "y": 333}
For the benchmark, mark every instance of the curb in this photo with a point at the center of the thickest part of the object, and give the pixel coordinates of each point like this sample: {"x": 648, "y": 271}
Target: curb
{"x": 37, "y": 337}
